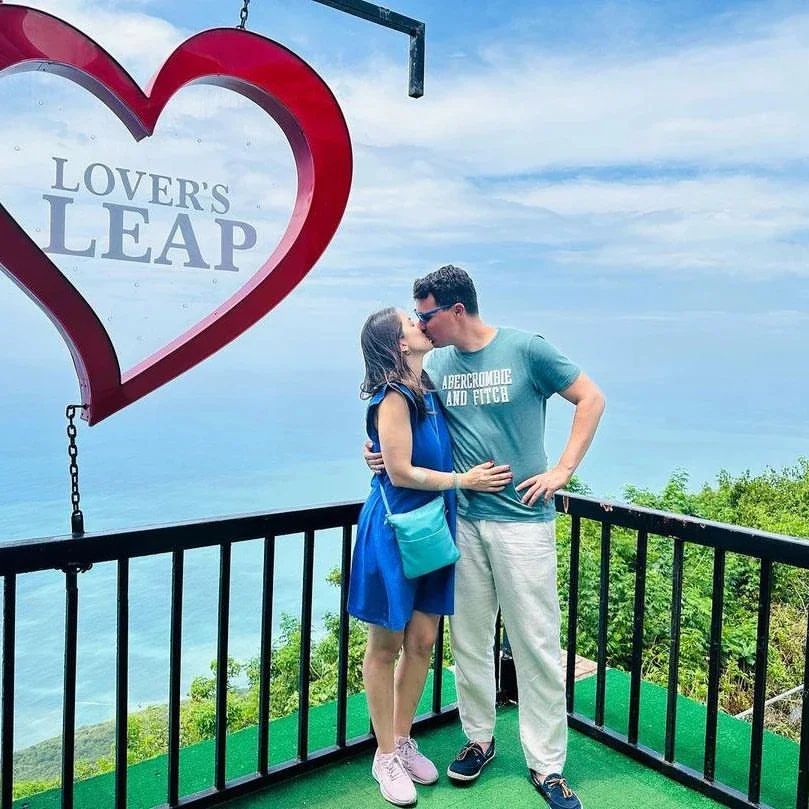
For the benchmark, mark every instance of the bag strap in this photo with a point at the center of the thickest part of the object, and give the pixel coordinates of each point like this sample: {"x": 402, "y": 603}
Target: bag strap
{"x": 384, "y": 498}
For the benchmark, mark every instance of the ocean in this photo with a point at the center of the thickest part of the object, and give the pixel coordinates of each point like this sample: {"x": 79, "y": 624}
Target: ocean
{"x": 231, "y": 439}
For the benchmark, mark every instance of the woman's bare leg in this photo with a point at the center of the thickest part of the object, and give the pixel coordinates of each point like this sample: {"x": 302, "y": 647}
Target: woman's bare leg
{"x": 411, "y": 672}
{"x": 377, "y": 676}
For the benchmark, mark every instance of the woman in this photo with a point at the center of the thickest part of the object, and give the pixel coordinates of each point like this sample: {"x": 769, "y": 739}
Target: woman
{"x": 405, "y": 422}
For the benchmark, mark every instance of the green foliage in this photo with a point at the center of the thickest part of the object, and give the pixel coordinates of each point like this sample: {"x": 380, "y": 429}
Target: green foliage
{"x": 25, "y": 788}
{"x": 773, "y": 501}
{"x": 577, "y": 486}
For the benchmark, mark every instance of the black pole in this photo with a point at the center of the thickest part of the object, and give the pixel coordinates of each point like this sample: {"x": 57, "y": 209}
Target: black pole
{"x": 603, "y": 610}
{"x": 674, "y": 648}
{"x": 398, "y": 22}
{"x": 572, "y": 612}
{"x": 220, "y": 746}
{"x": 638, "y": 616}
{"x": 7, "y": 728}
{"x": 266, "y": 655}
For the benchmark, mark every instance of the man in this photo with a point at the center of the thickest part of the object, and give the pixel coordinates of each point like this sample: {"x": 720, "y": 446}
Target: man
{"x": 494, "y": 384}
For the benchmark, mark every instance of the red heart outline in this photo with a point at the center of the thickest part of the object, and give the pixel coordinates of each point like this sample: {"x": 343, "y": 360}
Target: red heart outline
{"x": 263, "y": 71}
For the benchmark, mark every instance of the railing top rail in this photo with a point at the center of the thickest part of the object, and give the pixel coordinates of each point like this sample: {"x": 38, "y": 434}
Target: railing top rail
{"x": 737, "y": 539}
{"x": 47, "y": 553}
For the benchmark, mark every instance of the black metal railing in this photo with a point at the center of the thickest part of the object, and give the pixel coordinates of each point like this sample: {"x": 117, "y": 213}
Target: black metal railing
{"x": 768, "y": 549}
{"x": 73, "y": 556}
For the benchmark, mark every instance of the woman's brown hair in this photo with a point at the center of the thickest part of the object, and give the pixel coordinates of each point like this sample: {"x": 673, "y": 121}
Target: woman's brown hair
{"x": 384, "y": 360}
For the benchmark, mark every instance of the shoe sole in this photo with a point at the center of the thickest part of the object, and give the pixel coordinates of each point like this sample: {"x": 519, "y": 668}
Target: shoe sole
{"x": 389, "y": 798}
{"x": 421, "y": 781}
{"x": 454, "y": 776}
{"x": 581, "y": 804}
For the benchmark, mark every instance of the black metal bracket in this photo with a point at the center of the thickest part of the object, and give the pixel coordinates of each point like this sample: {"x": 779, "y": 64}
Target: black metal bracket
{"x": 76, "y": 567}
{"x": 398, "y": 22}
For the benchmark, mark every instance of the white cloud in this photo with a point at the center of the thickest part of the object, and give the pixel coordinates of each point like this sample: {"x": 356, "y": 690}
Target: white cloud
{"x": 730, "y": 223}
{"x": 474, "y": 162}
{"x": 459, "y": 166}
{"x": 522, "y": 111}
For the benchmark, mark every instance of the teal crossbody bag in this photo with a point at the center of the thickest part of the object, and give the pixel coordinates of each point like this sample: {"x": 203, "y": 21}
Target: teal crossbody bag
{"x": 423, "y": 536}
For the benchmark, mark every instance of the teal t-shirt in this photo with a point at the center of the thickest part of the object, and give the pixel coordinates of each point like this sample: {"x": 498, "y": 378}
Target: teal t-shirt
{"x": 494, "y": 400}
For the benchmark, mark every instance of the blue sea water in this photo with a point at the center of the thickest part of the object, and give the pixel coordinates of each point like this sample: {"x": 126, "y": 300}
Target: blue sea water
{"x": 183, "y": 468}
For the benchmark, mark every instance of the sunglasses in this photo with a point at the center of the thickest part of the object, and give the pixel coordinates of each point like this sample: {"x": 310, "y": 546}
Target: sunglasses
{"x": 426, "y": 317}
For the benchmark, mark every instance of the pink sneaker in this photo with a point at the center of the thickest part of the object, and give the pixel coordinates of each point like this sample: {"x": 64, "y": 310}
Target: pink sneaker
{"x": 394, "y": 782}
{"x": 418, "y": 766}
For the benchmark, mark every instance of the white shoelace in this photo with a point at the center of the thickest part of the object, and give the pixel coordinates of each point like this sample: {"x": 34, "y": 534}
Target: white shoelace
{"x": 567, "y": 792}
{"x": 408, "y": 749}
{"x": 392, "y": 766}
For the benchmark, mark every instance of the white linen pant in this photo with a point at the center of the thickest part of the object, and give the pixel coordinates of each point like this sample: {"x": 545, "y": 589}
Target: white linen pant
{"x": 513, "y": 564}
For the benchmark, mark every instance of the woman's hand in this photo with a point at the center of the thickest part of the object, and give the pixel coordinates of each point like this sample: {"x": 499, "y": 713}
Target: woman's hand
{"x": 486, "y": 477}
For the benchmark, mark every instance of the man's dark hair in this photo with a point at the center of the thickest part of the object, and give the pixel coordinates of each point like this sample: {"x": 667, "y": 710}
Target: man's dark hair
{"x": 448, "y": 285}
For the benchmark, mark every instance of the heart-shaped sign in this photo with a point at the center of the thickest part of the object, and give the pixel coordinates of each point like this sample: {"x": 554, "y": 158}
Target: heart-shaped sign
{"x": 263, "y": 71}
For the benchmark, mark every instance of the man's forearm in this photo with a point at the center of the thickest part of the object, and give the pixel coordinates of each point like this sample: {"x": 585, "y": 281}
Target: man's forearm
{"x": 585, "y": 421}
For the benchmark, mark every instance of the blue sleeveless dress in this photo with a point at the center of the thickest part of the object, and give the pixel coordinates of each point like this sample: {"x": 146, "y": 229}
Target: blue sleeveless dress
{"x": 379, "y": 592}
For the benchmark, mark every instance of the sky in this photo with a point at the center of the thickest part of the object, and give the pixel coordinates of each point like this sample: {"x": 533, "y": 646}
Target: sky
{"x": 629, "y": 179}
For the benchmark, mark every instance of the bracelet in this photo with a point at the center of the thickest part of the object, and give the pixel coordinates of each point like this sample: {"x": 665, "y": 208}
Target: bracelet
{"x": 456, "y": 481}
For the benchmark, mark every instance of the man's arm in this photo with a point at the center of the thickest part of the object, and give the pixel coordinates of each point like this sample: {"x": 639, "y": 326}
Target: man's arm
{"x": 373, "y": 459}
{"x": 589, "y": 402}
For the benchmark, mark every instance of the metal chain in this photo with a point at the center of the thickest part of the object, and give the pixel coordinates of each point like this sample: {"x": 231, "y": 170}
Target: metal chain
{"x": 243, "y": 15}
{"x": 76, "y": 517}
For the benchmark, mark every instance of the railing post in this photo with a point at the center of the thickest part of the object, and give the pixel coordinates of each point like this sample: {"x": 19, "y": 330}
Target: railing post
{"x": 342, "y": 655}
{"x": 9, "y": 648}
{"x": 306, "y": 644}
{"x": 674, "y": 649}
{"x": 572, "y": 612}
{"x": 69, "y": 690}
{"x": 266, "y": 656}
{"x": 223, "y": 623}
{"x": 122, "y": 684}
{"x": 497, "y": 656}
{"x": 438, "y": 666}
{"x": 175, "y": 663}
{"x": 638, "y": 615}
{"x": 714, "y": 663}
{"x": 760, "y": 691}
{"x": 603, "y": 609}
{"x": 802, "y": 800}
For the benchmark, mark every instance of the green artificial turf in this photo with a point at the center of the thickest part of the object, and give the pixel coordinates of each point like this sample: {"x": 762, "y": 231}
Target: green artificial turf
{"x": 148, "y": 780}
{"x": 603, "y": 778}
{"x": 779, "y": 769}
